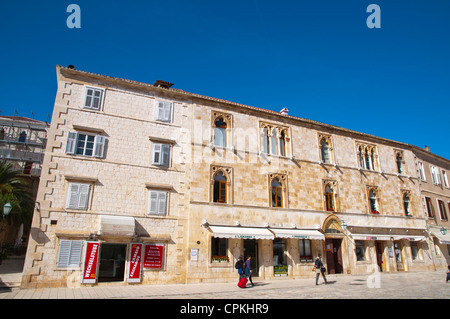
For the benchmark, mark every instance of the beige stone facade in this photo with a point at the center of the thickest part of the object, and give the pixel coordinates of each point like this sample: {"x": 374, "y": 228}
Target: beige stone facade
{"x": 210, "y": 180}
{"x": 435, "y": 192}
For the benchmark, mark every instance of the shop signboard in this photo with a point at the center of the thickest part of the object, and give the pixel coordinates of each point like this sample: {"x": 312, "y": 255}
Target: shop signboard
{"x": 90, "y": 263}
{"x": 135, "y": 263}
{"x": 153, "y": 256}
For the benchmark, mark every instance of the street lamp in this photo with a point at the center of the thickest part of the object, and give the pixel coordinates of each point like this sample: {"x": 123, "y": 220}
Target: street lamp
{"x": 443, "y": 230}
{"x": 7, "y": 209}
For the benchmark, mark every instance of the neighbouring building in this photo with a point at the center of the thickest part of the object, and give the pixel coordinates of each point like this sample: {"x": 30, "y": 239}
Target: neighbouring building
{"x": 435, "y": 191}
{"x": 148, "y": 184}
{"x": 22, "y": 142}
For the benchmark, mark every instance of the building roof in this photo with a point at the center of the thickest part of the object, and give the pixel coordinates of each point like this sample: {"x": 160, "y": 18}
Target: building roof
{"x": 21, "y": 119}
{"x": 282, "y": 117}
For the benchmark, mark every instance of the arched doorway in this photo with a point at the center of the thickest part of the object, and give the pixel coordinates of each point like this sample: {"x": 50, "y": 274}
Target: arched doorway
{"x": 334, "y": 236}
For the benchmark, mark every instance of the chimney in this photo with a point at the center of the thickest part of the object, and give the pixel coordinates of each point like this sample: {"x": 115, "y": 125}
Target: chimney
{"x": 427, "y": 148}
{"x": 284, "y": 111}
{"x": 162, "y": 84}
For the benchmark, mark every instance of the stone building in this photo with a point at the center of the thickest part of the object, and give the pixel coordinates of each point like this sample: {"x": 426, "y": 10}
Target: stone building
{"x": 435, "y": 191}
{"x": 22, "y": 142}
{"x": 150, "y": 184}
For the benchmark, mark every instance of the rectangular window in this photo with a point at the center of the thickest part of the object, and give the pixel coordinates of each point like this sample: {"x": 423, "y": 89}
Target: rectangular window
{"x": 430, "y": 208}
{"x": 164, "y": 111}
{"x": 277, "y": 197}
{"x": 69, "y": 254}
{"x": 78, "y": 196}
{"x": 442, "y": 210}
{"x": 360, "y": 250}
{"x": 85, "y": 144}
{"x": 421, "y": 171}
{"x": 219, "y": 250}
{"x": 161, "y": 154}
{"x": 435, "y": 175}
{"x": 93, "y": 98}
{"x": 157, "y": 202}
{"x": 304, "y": 246}
{"x": 444, "y": 177}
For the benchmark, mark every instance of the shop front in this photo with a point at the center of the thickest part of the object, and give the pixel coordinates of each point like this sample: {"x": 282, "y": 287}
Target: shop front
{"x": 274, "y": 252}
{"x": 387, "y": 249}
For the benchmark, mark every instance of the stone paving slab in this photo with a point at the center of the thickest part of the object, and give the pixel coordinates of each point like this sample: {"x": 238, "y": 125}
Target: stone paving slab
{"x": 411, "y": 285}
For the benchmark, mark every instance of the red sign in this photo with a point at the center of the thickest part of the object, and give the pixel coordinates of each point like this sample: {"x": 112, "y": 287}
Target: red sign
{"x": 153, "y": 257}
{"x": 90, "y": 262}
{"x": 134, "y": 267}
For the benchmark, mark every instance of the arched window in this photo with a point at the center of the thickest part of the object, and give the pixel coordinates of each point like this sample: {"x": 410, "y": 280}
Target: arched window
{"x": 283, "y": 143}
{"x": 277, "y": 193}
{"x": 329, "y": 198}
{"x": 373, "y": 202}
{"x": 406, "y": 204}
{"x": 325, "y": 150}
{"x": 368, "y": 160}
{"x": 399, "y": 160}
{"x": 220, "y": 128}
{"x": 362, "y": 163}
{"x": 273, "y": 142}
{"x": 220, "y": 188}
{"x": 265, "y": 140}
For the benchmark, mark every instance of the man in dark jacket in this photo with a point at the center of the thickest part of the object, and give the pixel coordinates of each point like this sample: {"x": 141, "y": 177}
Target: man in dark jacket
{"x": 320, "y": 269}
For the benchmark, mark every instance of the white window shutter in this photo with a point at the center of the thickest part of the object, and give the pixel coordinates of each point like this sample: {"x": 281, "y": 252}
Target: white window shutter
{"x": 167, "y": 109}
{"x": 160, "y": 115}
{"x": 153, "y": 209}
{"x": 69, "y": 254}
{"x": 99, "y": 146}
{"x": 72, "y": 198}
{"x": 84, "y": 196}
{"x": 157, "y": 153}
{"x": 89, "y": 96}
{"x": 71, "y": 142}
{"x": 64, "y": 253}
{"x": 162, "y": 199}
{"x": 75, "y": 253}
{"x": 165, "y": 154}
{"x": 97, "y": 99}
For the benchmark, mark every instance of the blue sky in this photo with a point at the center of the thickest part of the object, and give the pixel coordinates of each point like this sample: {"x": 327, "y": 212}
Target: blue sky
{"x": 317, "y": 58}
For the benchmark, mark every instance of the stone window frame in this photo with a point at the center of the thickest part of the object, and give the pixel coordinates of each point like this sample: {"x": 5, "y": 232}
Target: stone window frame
{"x": 371, "y": 157}
{"x": 402, "y": 168}
{"x": 228, "y": 174}
{"x": 228, "y": 120}
{"x": 329, "y": 140}
{"x": 283, "y": 179}
{"x": 377, "y": 192}
{"x": 334, "y": 186}
{"x": 407, "y": 193}
{"x": 279, "y": 131}
{"x": 101, "y": 101}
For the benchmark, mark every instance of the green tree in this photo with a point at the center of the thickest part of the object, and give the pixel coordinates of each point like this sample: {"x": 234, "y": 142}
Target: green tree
{"x": 15, "y": 190}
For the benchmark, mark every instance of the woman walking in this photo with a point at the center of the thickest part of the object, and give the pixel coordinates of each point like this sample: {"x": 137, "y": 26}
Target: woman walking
{"x": 320, "y": 269}
{"x": 248, "y": 270}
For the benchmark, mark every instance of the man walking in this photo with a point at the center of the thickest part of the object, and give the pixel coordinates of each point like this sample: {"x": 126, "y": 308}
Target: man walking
{"x": 320, "y": 269}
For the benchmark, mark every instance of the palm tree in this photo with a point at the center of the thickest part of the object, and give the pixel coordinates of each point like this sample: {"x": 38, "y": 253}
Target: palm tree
{"x": 15, "y": 190}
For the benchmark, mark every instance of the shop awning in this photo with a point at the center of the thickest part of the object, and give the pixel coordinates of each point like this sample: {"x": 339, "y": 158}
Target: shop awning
{"x": 298, "y": 233}
{"x": 382, "y": 233}
{"x": 443, "y": 239}
{"x": 111, "y": 225}
{"x": 241, "y": 232}
{"x": 370, "y": 237}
